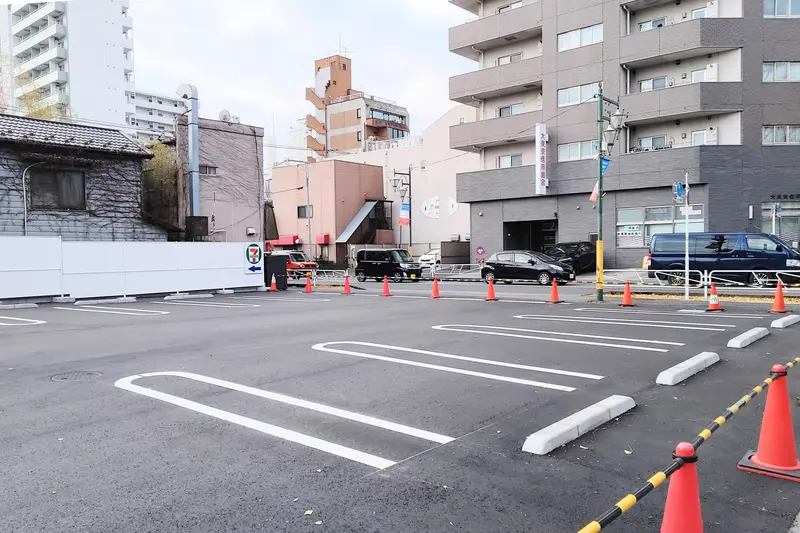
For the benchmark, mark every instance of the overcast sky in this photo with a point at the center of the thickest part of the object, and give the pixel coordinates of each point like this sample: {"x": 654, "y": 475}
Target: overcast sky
{"x": 255, "y": 57}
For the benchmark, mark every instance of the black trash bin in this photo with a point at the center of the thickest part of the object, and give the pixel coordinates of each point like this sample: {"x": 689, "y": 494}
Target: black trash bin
{"x": 276, "y": 264}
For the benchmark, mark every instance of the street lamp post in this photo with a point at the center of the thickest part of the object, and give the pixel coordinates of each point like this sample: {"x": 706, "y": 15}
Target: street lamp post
{"x": 403, "y": 185}
{"x": 607, "y": 136}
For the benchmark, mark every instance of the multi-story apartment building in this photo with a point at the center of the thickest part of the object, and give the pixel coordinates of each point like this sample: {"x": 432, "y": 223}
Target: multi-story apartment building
{"x": 710, "y": 87}
{"x": 154, "y": 114}
{"x": 74, "y": 54}
{"x": 346, "y": 119}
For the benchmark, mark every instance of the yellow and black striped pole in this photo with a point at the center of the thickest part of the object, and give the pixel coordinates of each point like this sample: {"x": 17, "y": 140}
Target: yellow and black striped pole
{"x": 659, "y": 477}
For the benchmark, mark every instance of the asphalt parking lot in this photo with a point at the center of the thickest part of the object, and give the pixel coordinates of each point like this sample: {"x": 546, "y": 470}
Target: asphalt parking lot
{"x": 323, "y": 412}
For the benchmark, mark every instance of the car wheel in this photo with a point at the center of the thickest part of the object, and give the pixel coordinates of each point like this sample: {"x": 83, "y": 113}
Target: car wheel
{"x": 361, "y": 277}
{"x": 397, "y": 277}
{"x": 545, "y": 278}
{"x": 759, "y": 279}
{"x": 508, "y": 281}
{"x": 489, "y": 276}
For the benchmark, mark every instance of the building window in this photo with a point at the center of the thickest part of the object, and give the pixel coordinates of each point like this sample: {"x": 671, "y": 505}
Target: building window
{"x": 358, "y": 113}
{"x": 776, "y": 135}
{"x": 636, "y": 226}
{"x": 699, "y": 13}
{"x": 578, "y": 94}
{"x": 699, "y": 138}
{"x": 358, "y": 136}
{"x": 390, "y": 117}
{"x": 652, "y": 24}
{"x": 698, "y": 76}
{"x": 207, "y": 170}
{"x": 57, "y": 189}
{"x": 782, "y": 8}
{"x": 507, "y": 111}
{"x": 652, "y": 84}
{"x": 161, "y": 127}
{"x": 779, "y": 71}
{"x": 652, "y": 143}
{"x": 133, "y": 97}
{"x": 344, "y": 66}
{"x": 396, "y": 134}
{"x": 511, "y": 58}
{"x": 508, "y": 161}
{"x": 160, "y": 102}
{"x": 580, "y": 37}
{"x": 301, "y": 211}
{"x": 509, "y": 7}
{"x": 577, "y": 150}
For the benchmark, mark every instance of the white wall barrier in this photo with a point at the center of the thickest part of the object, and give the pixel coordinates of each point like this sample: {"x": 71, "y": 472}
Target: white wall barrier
{"x": 33, "y": 266}
{"x": 30, "y": 267}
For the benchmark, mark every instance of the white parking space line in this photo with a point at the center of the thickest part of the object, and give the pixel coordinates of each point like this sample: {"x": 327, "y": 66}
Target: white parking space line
{"x": 130, "y": 311}
{"x": 341, "y": 413}
{"x": 279, "y": 298}
{"x": 682, "y": 313}
{"x": 629, "y": 322}
{"x": 323, "y": 347}
{"x": 209, "y": 304}
{"x": 19, "y": 321}
{"x": 507, "y": 332}
{"x": 268, "y": 429}
{"x": 471, "y": 359}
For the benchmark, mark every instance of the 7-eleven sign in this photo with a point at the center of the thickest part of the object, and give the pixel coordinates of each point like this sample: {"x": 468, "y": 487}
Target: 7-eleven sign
{"x": 253, "y": 256}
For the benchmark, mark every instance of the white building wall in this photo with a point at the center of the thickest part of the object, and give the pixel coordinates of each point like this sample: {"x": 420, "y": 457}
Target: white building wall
{"x": 153, "y": 114}
{"x": 434, "y": 185}
{"x": 98, "y": 74}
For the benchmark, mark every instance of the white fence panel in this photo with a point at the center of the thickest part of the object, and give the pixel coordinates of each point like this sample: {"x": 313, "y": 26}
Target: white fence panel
{"x": 152, "y": 267}
{"x": 93, "y": 268}
{"x": 30, "y": 267}
{"x": 204, "y": 265}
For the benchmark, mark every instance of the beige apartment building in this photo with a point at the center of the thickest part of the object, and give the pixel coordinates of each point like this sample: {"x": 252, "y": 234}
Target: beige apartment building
{"x": 345, "y": 119}
{"x": 346, "y": 205}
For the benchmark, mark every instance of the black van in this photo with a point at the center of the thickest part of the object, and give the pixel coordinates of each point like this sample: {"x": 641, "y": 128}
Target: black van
{"x": 395, "y": 263}
{"x": 723, "y": 251}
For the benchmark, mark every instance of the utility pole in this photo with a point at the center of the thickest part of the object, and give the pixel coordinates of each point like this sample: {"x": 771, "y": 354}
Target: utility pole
{"x": 308, "y": 203}
{"x": 609, "y": 134}
{"x": 405, "y": 185}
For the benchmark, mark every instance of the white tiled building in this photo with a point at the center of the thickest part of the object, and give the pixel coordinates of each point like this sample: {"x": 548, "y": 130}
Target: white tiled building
{"x": 78, "y": 52}
{"x": 153, "y": 116}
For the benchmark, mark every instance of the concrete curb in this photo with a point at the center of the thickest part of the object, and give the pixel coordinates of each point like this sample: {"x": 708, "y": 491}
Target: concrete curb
{"x": 188, "y": 296}
{"x": 225, "y": 291}
{"x": 748, "y": 337}
{"x": 128, "y": 300}
{"x": 261, "y": 289}
{"x": 570, "y": 428}
{"x": 690, "y": 367}
{"x": 795, "y": 527}
{"x": 785, "y": 322}
{"x": 63, "y": 299}
{"x": 19, "y": 306}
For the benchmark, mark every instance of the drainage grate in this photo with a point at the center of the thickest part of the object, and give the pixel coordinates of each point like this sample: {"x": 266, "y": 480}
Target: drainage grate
{"x": 76, "y": 376}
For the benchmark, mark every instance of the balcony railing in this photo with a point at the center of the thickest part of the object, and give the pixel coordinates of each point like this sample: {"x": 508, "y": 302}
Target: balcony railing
{"x": 33, "y": 33}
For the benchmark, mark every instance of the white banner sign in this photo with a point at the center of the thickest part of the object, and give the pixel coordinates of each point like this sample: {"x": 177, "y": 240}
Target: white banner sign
{"x": 541, "y": 182}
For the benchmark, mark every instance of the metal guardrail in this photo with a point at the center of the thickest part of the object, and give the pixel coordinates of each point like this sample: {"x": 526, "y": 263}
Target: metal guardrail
{"x": 643, "y": 276}
{"x": 328, "y": 277}
{"x": 451, "y": 271}
{"x": 659, "y": 477}
{"x": 755, "y": 279}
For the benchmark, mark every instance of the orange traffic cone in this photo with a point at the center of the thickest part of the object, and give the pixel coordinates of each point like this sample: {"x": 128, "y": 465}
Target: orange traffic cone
{"x": 554, "y": 299}
{"x": 490, "y": 297}
{"x": 777, "y": 449}
{"x": 682, "y": 510}
{"x": 627, "y": 298}
{"x": 713, "y": 300}
{"x": 347, "y": 289}
{"x": 308, "y": 283}
{"x": 435, "y": 293}
{"x": 386, "y": 287}
{"x": 779, "y": 306}
{"x": 273, "y": 287}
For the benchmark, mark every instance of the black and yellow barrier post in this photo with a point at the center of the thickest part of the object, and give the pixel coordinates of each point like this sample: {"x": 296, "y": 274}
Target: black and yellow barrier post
{"x": 659, "y": 477}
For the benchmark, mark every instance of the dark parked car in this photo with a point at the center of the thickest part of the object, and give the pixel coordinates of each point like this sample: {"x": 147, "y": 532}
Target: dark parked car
{"x": 580, "y": 255}
{"x": 394, "y": 263}
{"x": 521, "y": 265}
{"x": 747, "y": 253}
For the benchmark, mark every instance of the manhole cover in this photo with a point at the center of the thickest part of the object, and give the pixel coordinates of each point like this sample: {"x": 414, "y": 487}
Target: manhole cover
{"x": 76, "y": 376}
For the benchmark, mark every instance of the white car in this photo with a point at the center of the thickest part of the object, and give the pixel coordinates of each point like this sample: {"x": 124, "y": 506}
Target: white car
{"x": 431, "y": 258}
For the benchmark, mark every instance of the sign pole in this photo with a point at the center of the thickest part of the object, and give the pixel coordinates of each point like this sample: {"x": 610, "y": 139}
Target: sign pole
{"x": 686, "y": 237}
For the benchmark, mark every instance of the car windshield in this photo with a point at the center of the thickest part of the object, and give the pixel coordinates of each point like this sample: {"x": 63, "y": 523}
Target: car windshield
{"x": 435, "y": 251}
{"x": 557, "y": 251}
{"x": 782, "y": 242}
{"x": 298, "y": 257}
{"x": 401, "y": 256}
